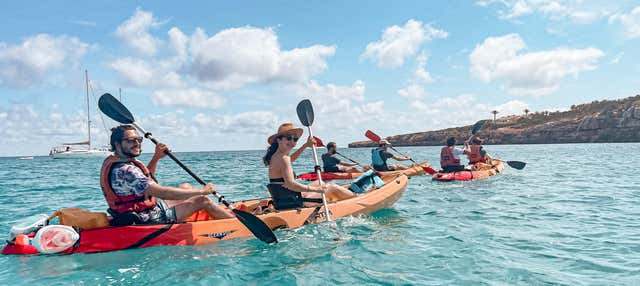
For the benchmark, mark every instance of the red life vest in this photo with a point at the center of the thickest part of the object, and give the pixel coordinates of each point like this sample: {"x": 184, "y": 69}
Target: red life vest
{"x": 474, "y": 154}
{"x": 122, "y": 204}
{"x": 447, "y": 158}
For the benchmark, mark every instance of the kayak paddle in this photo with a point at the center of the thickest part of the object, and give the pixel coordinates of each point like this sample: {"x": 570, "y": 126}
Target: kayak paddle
{"x": 320, "y": 144}
{"x": 375, "y": 138}
{"x": 118, "y": 112}
{"x": 306, "y": 116}
{"x": 519, "y": 165}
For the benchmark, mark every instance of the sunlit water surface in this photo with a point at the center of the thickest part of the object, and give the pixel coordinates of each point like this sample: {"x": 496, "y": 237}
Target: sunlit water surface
{"x": 571, "y": 217}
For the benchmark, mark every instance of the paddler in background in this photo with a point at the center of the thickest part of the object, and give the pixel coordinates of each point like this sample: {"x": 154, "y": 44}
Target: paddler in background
{"x": 450, "y": 156}
{"x": 380, "y": 155}
{"x": 478, "y": 157}
{"x": 476, "y": 153}
{"x": 332, "y": 164}
{"x": 133, "y": 195}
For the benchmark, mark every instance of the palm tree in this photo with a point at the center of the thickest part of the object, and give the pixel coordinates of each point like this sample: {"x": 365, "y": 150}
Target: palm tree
{"x": 494, "y": 114}
{"x": 526, "y": 112}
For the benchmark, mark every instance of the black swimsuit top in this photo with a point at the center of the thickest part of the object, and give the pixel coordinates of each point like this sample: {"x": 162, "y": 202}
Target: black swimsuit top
{"x": 280, "y": 180}
{"x": 276, "y": 180}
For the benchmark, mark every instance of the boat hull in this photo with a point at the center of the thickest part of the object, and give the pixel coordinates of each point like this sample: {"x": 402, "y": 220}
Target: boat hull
{"x": 211, "y": 231}
{"x": 413, "y": 170}
{"x": 496, "y": 168}
{"x": 75, "y": 154}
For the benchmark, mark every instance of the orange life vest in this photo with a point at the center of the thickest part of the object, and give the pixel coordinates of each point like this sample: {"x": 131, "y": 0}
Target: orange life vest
{"x": 474, "y": 154}
{"x": 447, "y": 158}
{"x": 122, "y": 204}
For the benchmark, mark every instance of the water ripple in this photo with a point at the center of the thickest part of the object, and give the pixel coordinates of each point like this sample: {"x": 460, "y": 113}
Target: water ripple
{"x": 567, "y": 223}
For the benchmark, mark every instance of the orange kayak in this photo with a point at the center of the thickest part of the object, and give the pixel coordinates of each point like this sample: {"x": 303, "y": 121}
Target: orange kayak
{"x": 202, "y": 230}
{"x": 478, "y": 171}
{"x": 413, "y": 170}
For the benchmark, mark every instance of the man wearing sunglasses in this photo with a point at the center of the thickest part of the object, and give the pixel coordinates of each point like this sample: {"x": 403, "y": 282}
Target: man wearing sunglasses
{"x": 133, "y": 195}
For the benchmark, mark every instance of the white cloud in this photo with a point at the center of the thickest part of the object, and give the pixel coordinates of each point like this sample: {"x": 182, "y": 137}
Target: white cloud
{"x": 398, "y": 43}
{"x": 630, "y": 22}
{"x": 30, "y": 62}
{"x": 192, "y": 97}
{"x": 421, "y": 74}
{"x": 340, "y": 109}
{"x": 178, "y": 42}
{"x": 535, "y": 73}
{"x": 413, "y": 92}
{"x": 578, "y": 12}
{"x": 83, "y": 23}
{"x": 519, "y": 8}
{"x": 617, "y": 58}
{"x": 134, "y": 32}
{"x": 512, "y": 107}
{"x": 142, "y": 73}
{"x": 230, "y": 59}
{"x": 331, "y": 98}
{"x": 457, "y": 111}
{"x": 24, "y": 130}
{"x": 237, "y": 56}
{"x": 171, "y": 125}
{"x": 251, "y": 122}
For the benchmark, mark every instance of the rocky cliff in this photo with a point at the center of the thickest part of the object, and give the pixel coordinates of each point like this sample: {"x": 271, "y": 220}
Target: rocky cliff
{"x": 598, "y": 121}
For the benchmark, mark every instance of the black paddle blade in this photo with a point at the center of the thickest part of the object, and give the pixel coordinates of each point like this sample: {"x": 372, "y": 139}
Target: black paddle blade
{"x": 260, "y": 229}
{"x": 110, "y": 106}
{"x": 476, "y": 127}
{"x": 516, "y": 164}
{"x": 305, "y": 112}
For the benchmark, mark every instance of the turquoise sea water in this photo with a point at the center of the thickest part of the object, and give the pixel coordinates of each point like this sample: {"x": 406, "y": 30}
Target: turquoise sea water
{"x": 571, "y": 217}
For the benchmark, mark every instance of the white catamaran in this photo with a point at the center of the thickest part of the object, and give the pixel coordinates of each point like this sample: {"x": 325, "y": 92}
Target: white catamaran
{"x": 80, "y": 149}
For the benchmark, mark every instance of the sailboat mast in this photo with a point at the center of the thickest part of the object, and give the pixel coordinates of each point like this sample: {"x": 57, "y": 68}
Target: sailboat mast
{"x": 86, "y": 82}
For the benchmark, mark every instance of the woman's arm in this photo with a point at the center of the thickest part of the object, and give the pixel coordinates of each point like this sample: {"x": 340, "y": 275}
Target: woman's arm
{"x": 310, "y": 142}
{"x": 291, "y": 183}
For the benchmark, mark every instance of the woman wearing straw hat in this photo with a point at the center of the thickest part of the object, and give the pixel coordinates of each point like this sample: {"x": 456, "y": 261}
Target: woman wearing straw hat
{"x": 285, "y": 190}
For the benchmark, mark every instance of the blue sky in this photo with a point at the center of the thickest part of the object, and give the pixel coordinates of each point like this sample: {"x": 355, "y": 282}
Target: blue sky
{"x": 223, "y": 76}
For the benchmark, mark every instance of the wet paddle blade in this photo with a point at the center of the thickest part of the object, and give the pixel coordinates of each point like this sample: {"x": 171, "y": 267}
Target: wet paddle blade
{"x": 516, "y": 164}
{"x": 305, "y": 112}
{"x": 260, "y": 229}
{"x": 110, "y": 106}
{"x": 476, "y": 127}
{"x": 372, "y": 136}
{"x": 318, "y": 142}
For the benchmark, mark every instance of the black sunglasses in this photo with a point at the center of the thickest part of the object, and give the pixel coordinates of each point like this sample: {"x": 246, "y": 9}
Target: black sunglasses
{"x": 290, "y": 138}
{"x": 131, "y": 140}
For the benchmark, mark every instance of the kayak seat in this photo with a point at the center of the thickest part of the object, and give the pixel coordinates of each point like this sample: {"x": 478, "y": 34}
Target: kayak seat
{"x": 284, "y": 199}
{"x": 128, "y": 218}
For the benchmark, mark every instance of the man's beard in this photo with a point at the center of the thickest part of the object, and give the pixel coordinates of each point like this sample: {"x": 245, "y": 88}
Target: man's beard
{"x": 129, "y": 154}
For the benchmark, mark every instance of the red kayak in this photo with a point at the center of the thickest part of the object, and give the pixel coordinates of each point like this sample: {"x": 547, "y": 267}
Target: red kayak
{"x": 479, "y": 171}
{"x": 413, "y": 170}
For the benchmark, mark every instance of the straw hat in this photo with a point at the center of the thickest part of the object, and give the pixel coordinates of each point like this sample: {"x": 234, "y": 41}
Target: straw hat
{"x": 285, "y": 129}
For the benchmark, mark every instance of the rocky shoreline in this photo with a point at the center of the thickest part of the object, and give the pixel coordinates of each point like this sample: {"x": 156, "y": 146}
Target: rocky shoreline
{"x": 603, "y": 121}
